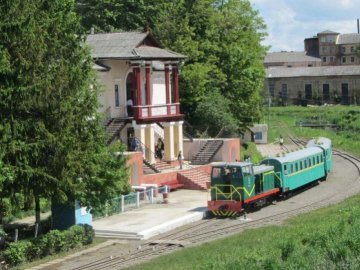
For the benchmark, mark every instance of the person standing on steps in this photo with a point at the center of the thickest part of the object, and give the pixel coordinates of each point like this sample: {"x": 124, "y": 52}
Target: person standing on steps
{"x": 179, "y": 158}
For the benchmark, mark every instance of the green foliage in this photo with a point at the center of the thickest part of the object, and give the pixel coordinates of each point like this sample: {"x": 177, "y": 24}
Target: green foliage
{"x": 213, "y": 112}
{"x": 283, "y": 121}
{"x": 250, "y": 150}
{"x": 49, "y": 244}
{"x": 222, "y": 42}
{"x": 50, "y": 133}
{"x": 324, "y": 239}
{"x": 16, "y": 252}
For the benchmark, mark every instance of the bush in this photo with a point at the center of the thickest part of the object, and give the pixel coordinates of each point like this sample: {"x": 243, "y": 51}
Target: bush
{"x": 16, "y": 252}
{"x": 51, "y": 243}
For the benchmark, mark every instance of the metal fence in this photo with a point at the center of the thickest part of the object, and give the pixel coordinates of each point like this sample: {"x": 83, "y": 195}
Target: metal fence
{"x": 150, "y": 195}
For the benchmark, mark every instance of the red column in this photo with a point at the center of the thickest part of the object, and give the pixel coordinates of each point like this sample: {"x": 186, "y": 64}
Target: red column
{"x": 175, "y": 71}
{"x": 148, "y": 88}
{"x": 137, "y": 82}
{"x": 167, "y": 87}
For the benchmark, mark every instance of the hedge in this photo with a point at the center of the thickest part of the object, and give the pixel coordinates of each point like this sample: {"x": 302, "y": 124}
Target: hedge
{"x": 49, "y": 244}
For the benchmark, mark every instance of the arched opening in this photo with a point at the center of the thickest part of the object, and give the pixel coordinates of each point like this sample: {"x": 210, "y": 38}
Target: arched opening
{"x": 130, "y": 87}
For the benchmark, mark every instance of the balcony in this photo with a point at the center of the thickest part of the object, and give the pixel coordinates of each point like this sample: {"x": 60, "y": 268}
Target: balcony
{"x": 162, "y": 112}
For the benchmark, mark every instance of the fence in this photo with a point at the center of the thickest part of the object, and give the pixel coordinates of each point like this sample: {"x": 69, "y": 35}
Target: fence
{"x": 150, "y": 195}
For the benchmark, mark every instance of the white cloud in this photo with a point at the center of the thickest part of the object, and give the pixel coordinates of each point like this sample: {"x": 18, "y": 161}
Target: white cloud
{"x": 291, "y": 21}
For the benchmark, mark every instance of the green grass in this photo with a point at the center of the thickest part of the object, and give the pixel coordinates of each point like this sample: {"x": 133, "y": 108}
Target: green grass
{"x": 328, "y": 238}
{"x": 324, "y": 239}
{"x": 282, "y": 121}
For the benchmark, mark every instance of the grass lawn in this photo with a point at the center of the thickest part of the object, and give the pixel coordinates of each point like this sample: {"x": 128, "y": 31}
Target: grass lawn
{"x": 327, "y": 238}
{"x": 323, "y": 239}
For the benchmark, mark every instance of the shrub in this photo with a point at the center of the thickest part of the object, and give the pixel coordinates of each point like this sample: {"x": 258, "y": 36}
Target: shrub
{"x": 51, "y": 243}
{"x": 16, "y": 252}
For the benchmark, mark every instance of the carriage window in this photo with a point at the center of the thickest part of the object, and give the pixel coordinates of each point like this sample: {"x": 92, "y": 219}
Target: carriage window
{"x": 285, "y": 169}
{"x": 291, "y": 168}
{"x": 314, "y": 161}
{"x": 301, "y": 165}
{"x": 309, "y": 162}
{"x": 305, "y": 162}
{"x": 321, "y": 158}
{"x": 317, "y": 158}
{"x": 296, "y": 167}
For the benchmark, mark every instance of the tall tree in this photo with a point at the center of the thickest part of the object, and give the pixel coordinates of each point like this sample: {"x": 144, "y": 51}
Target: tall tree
{"x": 51, "y": 143}
{"x": 222, "y": 39}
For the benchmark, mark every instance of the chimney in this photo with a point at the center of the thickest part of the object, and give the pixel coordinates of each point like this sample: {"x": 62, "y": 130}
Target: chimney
{"x": 358, "y": 26}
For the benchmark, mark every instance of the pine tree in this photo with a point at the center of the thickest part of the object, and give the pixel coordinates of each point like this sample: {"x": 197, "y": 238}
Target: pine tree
{"x": 52, "y": 145}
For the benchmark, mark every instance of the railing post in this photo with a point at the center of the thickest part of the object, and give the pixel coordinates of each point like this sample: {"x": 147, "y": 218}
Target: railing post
{"x": 106, "y": 209}
{"x": 152, "y": 195}
{"x": 122, "y": 203}
{"x": 137, "y": 199}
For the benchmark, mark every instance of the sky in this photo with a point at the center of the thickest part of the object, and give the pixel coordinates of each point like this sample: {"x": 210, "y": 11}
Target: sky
{"x": 289, "y": 22}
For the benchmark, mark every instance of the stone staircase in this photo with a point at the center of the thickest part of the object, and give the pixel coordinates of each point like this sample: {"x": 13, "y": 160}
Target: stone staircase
{"x": 162, "y": 165}
{"x": 157, "y": 167}
{"x": 113, "y": 129}
{"x": 149, "y": 168}
{"x": 207, "y": 152}
{"x": 194, "y": 179}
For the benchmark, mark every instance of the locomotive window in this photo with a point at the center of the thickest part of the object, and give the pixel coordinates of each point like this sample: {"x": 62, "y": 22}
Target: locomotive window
{"x": 246, "y": 170}
{"x": 285, "y": 169}
{"x": 216, "y": 172}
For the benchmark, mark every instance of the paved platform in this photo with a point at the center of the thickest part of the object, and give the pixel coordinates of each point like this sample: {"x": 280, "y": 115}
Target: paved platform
{"x": 185, "y": 206}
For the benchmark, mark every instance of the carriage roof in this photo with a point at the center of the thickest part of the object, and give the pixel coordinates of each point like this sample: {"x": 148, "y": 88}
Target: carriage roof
{"x": 321, "y": 141}
{"x": 297, "y": 155}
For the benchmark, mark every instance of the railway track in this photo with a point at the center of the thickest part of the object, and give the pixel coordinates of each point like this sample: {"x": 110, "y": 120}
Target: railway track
{"x": 211, "y": 229}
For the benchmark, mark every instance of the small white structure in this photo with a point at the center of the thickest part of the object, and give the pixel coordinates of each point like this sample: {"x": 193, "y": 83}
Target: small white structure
{"x": 257, "y": 134}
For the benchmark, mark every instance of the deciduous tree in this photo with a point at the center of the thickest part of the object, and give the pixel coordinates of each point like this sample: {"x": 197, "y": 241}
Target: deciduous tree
{"x": 52, "y": 145}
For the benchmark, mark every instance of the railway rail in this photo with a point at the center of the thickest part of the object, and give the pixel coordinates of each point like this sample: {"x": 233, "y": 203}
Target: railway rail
{"x": 211, "y": 229}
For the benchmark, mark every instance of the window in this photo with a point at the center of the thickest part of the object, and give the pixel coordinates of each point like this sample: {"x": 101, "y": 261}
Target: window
{"x": 296, "y": 167}
{"x": 272, "y": 89}
{"x": 258, "y": 135}
{"x": 310, "y": 65}
{"x": 117, "y": 98}
{"x": 352, "y": 59}
{"x": 284, "y": 90}
{"x": 289, "y": 66}
{"x": 318, "y": 159}
{"x": 308, "y": 92}
{"x": 216, "y": 172}
{"x": 352, "y": 48}
{"x": 314, "y": 161}
{"x": 305, "y": 164}
{"x": 291, "y": 168}
{"x": 343, "y": 49}
{"x": 324, "y": 59}
{"x": 285, "y": 169}
{"x": 344, "y": 59}
{"x": 331, "y": 59}
{"x": 301, "y": 165}
{"x": 326, "y": 92}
